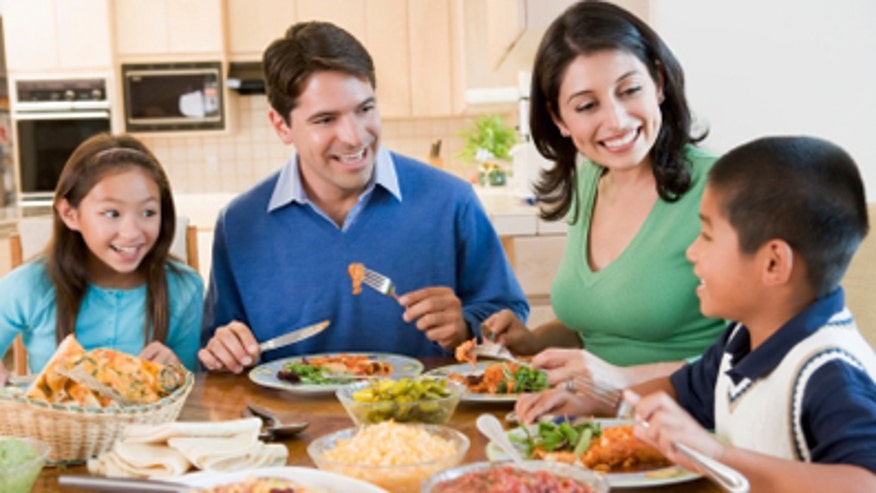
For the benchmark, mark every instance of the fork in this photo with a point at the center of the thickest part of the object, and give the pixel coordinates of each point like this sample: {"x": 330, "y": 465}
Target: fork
{"x": 604, "y": 392}
{"x": 725, "y": 476}
{"x": 379, "y": 283}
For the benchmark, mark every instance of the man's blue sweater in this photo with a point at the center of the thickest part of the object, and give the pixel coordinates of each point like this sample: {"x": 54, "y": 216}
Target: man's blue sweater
{"x": 279, "y": 270}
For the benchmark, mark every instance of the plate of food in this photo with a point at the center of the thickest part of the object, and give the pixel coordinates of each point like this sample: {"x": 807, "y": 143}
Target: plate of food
{"x": 327, "y": 372}
{"x": 492, "y": 381}
{"x": 298, "y": 479}
{"x": 606, "y": 446}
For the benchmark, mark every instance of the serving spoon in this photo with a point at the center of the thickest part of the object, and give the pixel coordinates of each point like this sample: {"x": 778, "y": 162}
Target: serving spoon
{"x": 490, "y": 426}
{"x": 274, "y": 428}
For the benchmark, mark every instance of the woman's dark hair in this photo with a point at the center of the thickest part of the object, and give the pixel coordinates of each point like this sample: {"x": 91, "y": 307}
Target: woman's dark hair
{"x": 67, "y": 254}
{"x": 589, "y": 27}
{"x": 307, "y": 48}
{"x": 803, "y": 190}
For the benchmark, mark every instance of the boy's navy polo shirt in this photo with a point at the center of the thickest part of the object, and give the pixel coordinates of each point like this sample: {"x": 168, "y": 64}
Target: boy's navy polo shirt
{"x": 850, "y": 411}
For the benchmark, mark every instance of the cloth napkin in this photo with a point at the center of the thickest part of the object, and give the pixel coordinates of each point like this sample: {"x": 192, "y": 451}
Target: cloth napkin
{"x": 169, "y": 450}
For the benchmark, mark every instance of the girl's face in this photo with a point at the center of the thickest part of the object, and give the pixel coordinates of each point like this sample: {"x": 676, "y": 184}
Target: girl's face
{"x": 119, "y": 220}
{"x": 610, "y": 107}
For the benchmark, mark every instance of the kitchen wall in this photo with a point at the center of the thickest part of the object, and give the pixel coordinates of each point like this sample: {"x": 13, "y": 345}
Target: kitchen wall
{"x": 757, "y": 67}
{"x": 232, "y": 162}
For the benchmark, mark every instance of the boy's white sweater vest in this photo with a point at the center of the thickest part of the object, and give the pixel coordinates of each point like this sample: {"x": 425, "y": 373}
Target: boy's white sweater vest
{"x": 764, "y": 415}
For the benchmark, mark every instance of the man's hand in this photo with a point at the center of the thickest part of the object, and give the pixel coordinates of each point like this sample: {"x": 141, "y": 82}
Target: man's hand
{"x": 438, "y": 313}
{"x": 233, "y": 347}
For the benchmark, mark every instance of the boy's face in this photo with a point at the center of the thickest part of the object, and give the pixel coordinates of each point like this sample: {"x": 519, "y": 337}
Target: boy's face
{"x": 728, "y": 279}
{"x": 335, "y": 129}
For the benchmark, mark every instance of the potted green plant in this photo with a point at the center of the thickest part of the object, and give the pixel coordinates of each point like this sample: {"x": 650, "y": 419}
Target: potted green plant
{"x": 489, "y": 145}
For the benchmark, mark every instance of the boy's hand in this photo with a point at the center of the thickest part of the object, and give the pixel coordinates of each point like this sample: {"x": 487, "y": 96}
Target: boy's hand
{"x": 232, "y": 348}
{"x": 438, "y": 312}
{"x": 661, "y": 422}
{"x": 159, "y": 353}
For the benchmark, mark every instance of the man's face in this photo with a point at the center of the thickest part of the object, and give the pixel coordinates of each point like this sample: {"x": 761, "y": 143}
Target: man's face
{"x": 335, "y": 129}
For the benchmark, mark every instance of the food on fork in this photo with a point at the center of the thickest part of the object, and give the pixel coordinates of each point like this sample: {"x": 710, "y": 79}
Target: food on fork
{"x": 465, "y": 352}
{"x": 357, "y": 274}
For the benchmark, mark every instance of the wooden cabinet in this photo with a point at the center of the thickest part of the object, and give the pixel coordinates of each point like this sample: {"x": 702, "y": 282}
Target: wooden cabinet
{"x": 253, "y": 25}
{"x": 57, "y": 35}
{"x": 160, "y": 29}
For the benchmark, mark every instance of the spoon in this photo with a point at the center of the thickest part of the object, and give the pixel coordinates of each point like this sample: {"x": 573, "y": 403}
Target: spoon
{"x": 490, "y": 426}
{"x": 274, "y": 429}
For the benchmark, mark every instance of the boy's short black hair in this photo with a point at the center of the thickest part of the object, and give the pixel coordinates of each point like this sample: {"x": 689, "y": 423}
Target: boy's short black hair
{"x": 803, "y": 190}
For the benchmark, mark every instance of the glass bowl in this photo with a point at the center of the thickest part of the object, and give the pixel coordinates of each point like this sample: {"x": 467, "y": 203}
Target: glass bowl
{"x": 386, "y": 454}
{"x": 407, "y": 400}
{"x": 21, "y": 460}
{"x": 447, "y": 480}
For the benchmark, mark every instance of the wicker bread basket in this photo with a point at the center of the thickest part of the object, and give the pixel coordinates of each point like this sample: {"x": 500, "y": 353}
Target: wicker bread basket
{"x": 76, "y": 433}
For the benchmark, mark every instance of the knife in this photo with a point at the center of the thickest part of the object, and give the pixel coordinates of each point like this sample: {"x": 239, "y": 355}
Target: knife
{"x": 96, "y": 483}
{"x": 294, "y": 336}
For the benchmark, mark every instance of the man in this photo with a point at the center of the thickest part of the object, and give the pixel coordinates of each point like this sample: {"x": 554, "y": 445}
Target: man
{"x": 281, "y": 250}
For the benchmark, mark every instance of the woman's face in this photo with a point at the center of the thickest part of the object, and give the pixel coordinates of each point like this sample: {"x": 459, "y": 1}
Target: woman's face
{"x": 610, "y": 107}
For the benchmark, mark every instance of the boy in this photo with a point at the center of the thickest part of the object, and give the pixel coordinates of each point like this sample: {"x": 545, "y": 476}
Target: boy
{"x": 789, "y": 388}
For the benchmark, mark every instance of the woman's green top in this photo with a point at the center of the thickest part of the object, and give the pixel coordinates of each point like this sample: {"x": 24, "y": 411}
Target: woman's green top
{"x": 642, "y": 307}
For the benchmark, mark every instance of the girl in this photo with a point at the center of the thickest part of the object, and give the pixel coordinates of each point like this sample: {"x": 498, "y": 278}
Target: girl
{"x": 106, "y": 274}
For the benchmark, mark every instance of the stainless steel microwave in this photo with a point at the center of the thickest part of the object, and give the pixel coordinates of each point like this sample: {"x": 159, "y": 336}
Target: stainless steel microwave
{"x": 162, "y": 97}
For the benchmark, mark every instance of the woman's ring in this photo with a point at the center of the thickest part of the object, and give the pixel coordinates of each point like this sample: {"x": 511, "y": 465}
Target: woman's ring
{"x": 569, "y": 385}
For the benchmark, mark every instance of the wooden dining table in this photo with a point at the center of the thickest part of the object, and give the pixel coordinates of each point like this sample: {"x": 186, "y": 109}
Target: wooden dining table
{"x": 223, "y": 396}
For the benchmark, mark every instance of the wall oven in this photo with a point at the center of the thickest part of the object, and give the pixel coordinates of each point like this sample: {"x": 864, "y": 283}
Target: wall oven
{"x": 50, "y": 118}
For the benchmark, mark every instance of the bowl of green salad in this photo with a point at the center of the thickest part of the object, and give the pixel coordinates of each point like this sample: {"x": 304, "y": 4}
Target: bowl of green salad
{"x": 21, "y": 460}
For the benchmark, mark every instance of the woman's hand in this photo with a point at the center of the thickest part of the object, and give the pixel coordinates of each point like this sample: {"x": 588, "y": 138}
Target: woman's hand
{"x": 562, "y": 365}
{"x": 159, "y": 353}
{"x": 505, "y": 328}
{"x": 662, "y": 423}
{"x": 530, "y": 407}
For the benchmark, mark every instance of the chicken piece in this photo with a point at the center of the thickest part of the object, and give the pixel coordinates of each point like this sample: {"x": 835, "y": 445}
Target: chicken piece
{"x": 465, "y": 352}
{"x": 357, "y": 274}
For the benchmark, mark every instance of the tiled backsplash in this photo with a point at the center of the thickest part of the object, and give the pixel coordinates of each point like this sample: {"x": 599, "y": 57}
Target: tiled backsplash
{"x": 232, "y": 162}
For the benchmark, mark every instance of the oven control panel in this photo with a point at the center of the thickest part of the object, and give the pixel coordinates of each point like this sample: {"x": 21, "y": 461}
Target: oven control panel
{"x": 57, "y": 91}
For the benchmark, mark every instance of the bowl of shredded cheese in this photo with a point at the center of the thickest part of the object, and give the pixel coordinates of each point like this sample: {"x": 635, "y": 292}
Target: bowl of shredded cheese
{"x": 395, "y": 456}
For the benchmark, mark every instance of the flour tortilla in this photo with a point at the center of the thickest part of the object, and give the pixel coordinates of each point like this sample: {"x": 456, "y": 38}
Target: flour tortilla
{"x": 140, "y": 433}
{"x": 139, "y": 460}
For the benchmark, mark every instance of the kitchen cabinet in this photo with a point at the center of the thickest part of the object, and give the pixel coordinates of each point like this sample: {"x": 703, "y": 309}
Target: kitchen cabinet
{"x": 168, "y": 29}
{"x": 535, "y": 259}
{"x": 252, "y": 26}
{"x": 47, "y": 36}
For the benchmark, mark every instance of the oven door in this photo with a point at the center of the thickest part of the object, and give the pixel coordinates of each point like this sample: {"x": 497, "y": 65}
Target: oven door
{"x": 44, "y": 142}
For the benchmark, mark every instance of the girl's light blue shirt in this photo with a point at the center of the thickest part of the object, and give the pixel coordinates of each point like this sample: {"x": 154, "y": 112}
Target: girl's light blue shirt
{"x": 108, "y": 318}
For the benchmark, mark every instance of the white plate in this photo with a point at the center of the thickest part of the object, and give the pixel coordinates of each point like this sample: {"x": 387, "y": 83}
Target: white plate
{"x": 466, "y": 369}
{"x": 307, "y": 476}
{"x": 656, "y": 477}
{"x": 266, "y": 373}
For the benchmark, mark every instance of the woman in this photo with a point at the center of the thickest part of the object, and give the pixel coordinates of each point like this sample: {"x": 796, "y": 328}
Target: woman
{"x": 608, "y": 107}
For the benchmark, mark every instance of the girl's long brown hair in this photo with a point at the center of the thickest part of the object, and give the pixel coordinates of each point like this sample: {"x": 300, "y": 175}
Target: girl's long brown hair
{"x": 67, "y": 255}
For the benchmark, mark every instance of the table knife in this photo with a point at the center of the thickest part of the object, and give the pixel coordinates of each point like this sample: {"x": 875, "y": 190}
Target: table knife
{"x": 96, "y": 483}
{"x": 294, "y": 336}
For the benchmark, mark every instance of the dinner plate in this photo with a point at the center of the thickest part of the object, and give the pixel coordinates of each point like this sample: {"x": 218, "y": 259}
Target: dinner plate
{"x": 654, "y": 477}
{"x": 266, "y": 373}
{"x": 466, "y": 369}
{"x": 307, "y": 476}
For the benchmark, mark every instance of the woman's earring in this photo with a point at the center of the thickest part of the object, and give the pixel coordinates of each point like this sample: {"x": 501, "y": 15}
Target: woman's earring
{"x": 564, "y": 133}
